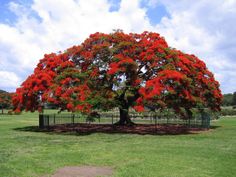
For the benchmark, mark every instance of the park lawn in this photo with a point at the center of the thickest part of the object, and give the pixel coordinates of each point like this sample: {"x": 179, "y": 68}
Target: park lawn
{"x": 28, "y": 153}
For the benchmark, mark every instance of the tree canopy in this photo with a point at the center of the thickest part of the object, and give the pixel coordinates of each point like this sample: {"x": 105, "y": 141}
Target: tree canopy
{"x": 5, "y": 100}
{"x": 227, "y": 99}
{"x": 120, "y": 70}
{"x": 234, "y": 99}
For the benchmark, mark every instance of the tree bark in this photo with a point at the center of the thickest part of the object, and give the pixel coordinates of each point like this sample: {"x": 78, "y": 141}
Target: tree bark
{"x": 125, "y": 103}
{"x": 124, "y": 117}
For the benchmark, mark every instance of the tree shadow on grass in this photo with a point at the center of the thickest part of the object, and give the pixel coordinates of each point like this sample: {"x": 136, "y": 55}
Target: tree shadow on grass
{"x": 29, "y": 129}
{"x": 141, "y": 129}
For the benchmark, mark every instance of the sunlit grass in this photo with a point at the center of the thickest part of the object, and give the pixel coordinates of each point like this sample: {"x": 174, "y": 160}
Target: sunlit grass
{"x": 28, "y": 153}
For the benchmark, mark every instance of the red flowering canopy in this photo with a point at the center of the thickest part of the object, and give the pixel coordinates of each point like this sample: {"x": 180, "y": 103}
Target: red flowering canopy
{"x": 120, "y": 70}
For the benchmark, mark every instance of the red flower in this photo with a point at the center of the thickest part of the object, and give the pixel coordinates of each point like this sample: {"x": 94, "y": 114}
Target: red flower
{"x": 139, "y": 108}
{"x": 114, "y": 67}
{"x": 70, "y": 106}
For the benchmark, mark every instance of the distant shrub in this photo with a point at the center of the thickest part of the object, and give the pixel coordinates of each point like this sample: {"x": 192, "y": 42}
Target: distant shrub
{"x": 10, "y": 112}
{"x": 228, "y": 112}
{"x": 93, "y": 116}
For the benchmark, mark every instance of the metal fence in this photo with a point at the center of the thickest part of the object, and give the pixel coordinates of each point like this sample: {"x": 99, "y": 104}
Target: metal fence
{"x": 201, "y": 120}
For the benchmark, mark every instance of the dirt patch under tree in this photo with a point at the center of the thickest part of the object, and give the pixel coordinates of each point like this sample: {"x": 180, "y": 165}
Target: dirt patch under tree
{"x": 136, "y": 129}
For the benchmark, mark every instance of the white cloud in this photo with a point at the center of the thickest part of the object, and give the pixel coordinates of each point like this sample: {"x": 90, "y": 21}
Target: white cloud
{"x": 205, "y": 28}
{"x": 8, "y": 80}
{"x": 49, "y": 26}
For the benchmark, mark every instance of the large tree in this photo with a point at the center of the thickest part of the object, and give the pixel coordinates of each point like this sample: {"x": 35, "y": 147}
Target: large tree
{"x": 5, "y": 100}
{"x": 120, "y": 70}
{"x": 227, "y": 99}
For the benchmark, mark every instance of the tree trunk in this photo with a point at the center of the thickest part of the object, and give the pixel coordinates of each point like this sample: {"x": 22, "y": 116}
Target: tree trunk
{"x": 124, "y": 108}
{"x": 189, "y": 114}
{"x": 124, "y": 117}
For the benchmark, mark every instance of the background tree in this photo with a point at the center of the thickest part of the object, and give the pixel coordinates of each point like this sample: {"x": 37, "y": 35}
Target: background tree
{"x": 120, "y": 70}
{"x": 234, "y": 99}
{"x": 5, "y": 100}
{"x": 227, "y": 99}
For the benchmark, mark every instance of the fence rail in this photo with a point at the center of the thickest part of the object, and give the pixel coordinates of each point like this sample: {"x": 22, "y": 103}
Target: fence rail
{"x": 199, "y": 120}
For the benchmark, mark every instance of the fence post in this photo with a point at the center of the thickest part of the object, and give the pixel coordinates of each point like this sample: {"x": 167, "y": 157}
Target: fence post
{"x": 205, "y": 120}
{"x": 72, "y": 118}
{"x": 155, "y": 117}
{"x": 54, "y": 119}
{"x": 208, "y": 121}
{"x": 41, "y": 121}
{"x": 46, "y": 121}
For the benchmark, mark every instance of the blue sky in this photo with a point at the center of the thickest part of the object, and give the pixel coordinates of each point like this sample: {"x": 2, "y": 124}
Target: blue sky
{"x": 7, "y": 16}
{"x": 31, "y": 28}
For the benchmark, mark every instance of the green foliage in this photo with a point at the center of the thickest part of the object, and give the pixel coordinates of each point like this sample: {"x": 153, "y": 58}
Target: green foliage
{"x": 2, "y": 91}
{"x": 227, "y": 111}
{"x": 234, "y": 99}
{"x": 5, "y": 100}
{"x": 227, "y": 99}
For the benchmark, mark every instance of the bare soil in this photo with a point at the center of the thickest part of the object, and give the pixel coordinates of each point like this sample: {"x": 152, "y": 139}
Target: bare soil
{"x": 83, "y": 171}
{"x": 82, "y": 128}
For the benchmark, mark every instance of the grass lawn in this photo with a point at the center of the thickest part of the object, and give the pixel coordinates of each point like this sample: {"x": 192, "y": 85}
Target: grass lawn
{"x": 28, "y": 154}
